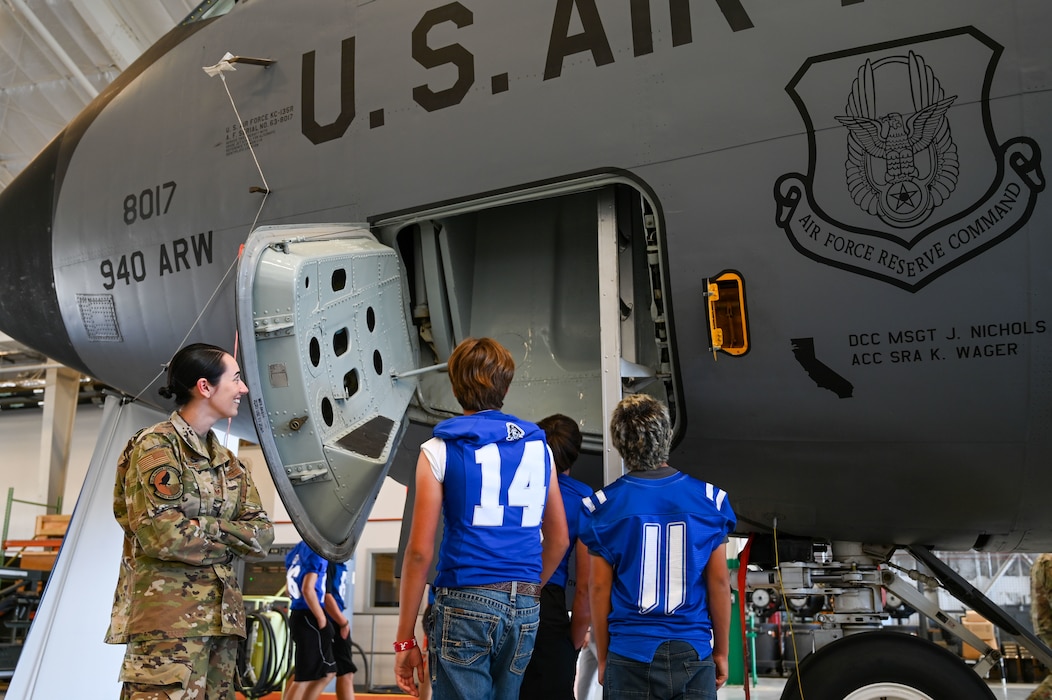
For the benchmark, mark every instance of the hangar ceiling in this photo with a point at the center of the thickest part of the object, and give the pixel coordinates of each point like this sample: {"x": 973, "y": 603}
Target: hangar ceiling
{"x": 55, "y": 57}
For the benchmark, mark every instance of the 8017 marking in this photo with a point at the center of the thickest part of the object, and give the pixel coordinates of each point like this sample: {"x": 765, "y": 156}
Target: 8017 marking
{"x": 147, "y": 203}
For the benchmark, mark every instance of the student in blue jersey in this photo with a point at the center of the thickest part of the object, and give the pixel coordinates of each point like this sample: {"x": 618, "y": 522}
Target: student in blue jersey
{"x": 335, "y": 605}
{"x": 551, "y": 672}
{"x": 308, "y": 624}
{"x": 660, "y": 589}
{"x": 489, "y": 475}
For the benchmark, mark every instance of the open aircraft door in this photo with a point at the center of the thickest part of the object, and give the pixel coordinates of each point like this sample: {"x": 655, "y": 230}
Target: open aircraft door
{"x": 324, "y": 336}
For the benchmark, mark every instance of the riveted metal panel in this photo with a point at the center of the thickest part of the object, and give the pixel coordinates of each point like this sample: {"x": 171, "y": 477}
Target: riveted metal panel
{"x": 324, "y": 331}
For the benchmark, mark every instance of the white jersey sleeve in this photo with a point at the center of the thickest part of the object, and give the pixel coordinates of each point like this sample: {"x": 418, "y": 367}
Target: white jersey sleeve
{"x": 435, "y": 451}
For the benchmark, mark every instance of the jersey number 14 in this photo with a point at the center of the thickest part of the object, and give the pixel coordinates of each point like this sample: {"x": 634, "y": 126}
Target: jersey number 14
{"x": 526, "y": 490}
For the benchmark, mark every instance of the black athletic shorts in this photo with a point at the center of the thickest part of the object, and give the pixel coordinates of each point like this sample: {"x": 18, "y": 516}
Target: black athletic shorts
{"x": 314, "y": 658}
{"x": 341, "y": 651}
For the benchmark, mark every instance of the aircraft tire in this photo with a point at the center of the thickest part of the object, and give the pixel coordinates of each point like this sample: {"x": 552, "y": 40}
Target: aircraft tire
{"x": 884, "y": 666}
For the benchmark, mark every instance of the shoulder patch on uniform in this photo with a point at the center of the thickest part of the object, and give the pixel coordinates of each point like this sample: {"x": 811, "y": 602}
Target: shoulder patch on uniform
{"x": 152, "y": 458}
{"x": 167, "y": 483}
{"x": 234, "y": 468}
{"x": 514, "y": 432}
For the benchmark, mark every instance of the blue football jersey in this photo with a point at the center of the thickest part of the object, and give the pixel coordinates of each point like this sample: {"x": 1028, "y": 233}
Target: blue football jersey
{"x": 495, "y": 487}
{"x": 299, "y": 562}
{"x": 657, "y": 534}
{"x": 336, "y": 582}
{"x": 573, "y": 492}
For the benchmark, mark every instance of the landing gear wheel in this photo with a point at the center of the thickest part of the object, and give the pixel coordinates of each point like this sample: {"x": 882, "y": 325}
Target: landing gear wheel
{"x": 884, "y": 666}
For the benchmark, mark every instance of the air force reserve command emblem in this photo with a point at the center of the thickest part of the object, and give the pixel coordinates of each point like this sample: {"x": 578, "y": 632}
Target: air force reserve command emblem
{"x": 906, "y": 177}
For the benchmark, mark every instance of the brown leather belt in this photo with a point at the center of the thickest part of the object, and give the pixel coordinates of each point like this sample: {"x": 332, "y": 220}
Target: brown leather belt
{"x": 531, "y": 589}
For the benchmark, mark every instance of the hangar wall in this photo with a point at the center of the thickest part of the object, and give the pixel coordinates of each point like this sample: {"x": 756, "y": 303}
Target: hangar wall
{"x": 20, "y": 435}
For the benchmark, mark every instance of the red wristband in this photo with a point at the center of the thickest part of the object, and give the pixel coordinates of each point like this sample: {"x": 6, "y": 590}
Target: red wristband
{"x": 404, "y": 646}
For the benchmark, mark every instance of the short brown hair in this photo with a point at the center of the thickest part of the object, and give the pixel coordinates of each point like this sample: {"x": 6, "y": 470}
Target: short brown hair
{"x": 481, "y": 370}
{"x": 641, "y": 431}
{"x": 564, "y": 437}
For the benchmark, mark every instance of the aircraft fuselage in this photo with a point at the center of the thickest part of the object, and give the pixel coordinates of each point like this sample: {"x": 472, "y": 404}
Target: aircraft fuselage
{"x": 891, "y": 239}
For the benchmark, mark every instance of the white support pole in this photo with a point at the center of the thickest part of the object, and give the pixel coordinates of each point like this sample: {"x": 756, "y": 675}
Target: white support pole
{"x": 609, "y": 327}
{"x": 61, "y": 390}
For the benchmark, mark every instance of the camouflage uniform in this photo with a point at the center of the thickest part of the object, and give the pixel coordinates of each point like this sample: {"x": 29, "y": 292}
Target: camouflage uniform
{"x": 178, "y": 604}
{"x": 1041, "y": 614}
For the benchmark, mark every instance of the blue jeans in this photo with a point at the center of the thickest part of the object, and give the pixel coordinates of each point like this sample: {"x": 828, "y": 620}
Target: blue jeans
{"x": 674, "y": 672}
{"x": 480, "y": 643}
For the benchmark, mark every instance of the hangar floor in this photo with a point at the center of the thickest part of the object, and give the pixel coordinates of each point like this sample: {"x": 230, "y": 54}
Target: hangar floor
{"x": 766, "y": 689}
{"x": 771, "y": 689}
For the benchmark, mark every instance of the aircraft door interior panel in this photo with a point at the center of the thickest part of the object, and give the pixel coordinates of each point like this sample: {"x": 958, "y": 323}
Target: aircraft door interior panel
{"x": 325, "y": 334}
{"x": 344, "y": 335}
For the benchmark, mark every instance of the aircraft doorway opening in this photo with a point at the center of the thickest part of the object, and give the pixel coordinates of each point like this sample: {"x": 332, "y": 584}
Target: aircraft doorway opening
{"x": 571, "y": 279}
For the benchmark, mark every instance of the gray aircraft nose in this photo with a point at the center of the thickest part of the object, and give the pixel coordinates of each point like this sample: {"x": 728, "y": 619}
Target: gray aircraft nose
{"x": 29, "y": 309}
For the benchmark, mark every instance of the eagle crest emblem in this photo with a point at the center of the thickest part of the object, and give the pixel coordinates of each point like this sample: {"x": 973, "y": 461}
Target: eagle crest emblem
{"x": 900, "y": 167}
{"x": 906, "y": 179}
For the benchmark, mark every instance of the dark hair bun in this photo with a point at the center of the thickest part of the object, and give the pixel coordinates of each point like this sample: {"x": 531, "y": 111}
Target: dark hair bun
{"x": 166, "y": 392}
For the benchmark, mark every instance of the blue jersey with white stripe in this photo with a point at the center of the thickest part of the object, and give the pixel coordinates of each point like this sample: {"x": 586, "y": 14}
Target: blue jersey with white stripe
{"x": 299, "y": 562}
{"x": 657, "y": 534}
{"x": 336, "y": 582}
{"x": 495, "y": 487}
{"x": 573, "y": 492}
